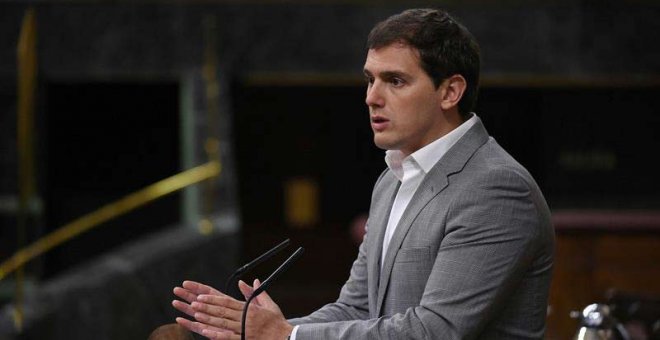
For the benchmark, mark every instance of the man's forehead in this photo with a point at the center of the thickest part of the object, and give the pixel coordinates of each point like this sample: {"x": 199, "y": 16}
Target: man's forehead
{"x": 396, "y": 57}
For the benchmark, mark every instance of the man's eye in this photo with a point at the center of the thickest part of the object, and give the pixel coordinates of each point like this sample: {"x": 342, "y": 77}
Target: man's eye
{"x": 397, "y": 81}
{"x": 369, "y": 80}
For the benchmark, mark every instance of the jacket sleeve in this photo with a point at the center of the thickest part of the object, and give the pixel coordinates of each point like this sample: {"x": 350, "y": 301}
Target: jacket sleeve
{"x": 353, "y": 303}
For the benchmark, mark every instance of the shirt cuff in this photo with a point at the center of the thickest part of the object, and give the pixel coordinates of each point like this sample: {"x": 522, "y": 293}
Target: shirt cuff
{"x": 293, "y": 332}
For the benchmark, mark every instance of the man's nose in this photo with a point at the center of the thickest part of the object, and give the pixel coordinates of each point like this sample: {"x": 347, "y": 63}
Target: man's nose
{"x": 374, "y": 96}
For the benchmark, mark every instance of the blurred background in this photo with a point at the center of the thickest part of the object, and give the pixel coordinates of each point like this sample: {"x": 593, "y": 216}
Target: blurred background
{"x": 100, "y": 99}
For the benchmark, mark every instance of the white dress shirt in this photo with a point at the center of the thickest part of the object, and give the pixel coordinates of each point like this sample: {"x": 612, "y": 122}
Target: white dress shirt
{"x": 410, "y": 171}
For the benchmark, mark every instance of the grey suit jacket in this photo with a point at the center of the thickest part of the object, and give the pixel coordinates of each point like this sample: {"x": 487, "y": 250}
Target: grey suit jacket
{"x": 471, "y": 257}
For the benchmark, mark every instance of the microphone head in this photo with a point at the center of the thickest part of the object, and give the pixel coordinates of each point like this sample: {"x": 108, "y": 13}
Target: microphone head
{"x": 248, "y": 266}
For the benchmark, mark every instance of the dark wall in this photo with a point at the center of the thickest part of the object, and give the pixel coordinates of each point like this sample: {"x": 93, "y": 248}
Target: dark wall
{"x": 101, "y": 142}
{"x": 587, "y": 147}
{"x": 99, "y": 39}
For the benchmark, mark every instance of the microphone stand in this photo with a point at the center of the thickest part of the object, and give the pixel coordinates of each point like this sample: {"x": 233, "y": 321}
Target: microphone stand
{"x": 282, "y": 268}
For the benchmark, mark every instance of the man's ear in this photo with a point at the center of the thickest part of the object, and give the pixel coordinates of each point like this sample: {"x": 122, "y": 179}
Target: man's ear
{"x": 451, "y": 91}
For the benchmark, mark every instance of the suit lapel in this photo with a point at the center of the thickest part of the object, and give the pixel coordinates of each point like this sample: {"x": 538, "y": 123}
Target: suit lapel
{"x": 387, "y": 188}
{"x": 434, "y": 182}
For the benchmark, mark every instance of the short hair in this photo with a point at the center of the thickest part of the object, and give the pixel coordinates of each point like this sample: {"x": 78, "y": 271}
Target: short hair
{"x": 445, "y": 47}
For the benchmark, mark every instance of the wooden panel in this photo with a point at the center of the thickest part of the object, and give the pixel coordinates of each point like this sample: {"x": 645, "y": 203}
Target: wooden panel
{"x": 588, "y": 263}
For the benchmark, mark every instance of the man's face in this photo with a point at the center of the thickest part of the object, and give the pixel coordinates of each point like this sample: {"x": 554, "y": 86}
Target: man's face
{"x": 404, "y": 105}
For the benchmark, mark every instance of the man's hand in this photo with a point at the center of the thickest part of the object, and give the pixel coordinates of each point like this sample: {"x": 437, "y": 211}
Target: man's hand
{"x": 218, "y": 316}
{"x": 189, "y": 292}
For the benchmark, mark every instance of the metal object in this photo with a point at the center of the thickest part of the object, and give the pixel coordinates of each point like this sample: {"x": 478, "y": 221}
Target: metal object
{"x": 598, "y": 323}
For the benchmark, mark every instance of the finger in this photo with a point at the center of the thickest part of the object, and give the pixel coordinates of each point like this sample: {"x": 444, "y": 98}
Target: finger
{"x": 222, "y": 301}
{"x": 185, "y": 294}
{"x": 223, "y": 324}
{"x": 245, "y": 289}
{"x": 220, "y": 335}
{"x": 196, "y": 327}
{"x": 183, "y": 307}
{"x": 217, "y": 311}
{"x": 262, "y": 299}
{"x": 200, "y": 288}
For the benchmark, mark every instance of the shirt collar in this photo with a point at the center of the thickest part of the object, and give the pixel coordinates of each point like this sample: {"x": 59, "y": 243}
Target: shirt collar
{"x": 430, "y": 154}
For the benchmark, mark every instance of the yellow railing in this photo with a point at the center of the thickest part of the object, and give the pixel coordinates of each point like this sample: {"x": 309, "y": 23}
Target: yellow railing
{"x": 26, "y": 55}
{"x": 108, "y": 212}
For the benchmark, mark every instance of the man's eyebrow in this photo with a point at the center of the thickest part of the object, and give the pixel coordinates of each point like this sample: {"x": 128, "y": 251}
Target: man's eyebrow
{"x": 387, "y": 74}
{"x": 393, "y": 74}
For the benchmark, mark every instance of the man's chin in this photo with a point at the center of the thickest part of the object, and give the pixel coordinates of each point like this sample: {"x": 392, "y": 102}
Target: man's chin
{"x": 381, "y": 143}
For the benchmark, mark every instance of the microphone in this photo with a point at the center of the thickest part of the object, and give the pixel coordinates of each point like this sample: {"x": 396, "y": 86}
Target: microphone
{"x": 282, "y": 268}
{"x": 263, "y": 257}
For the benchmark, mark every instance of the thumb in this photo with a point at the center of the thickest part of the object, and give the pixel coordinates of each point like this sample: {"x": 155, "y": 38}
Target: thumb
{"x": 263, "y": 299}
{"x": 245, "y": 289}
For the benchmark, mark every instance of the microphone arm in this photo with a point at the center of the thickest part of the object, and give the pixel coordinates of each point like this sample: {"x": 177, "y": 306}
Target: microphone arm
{"x": 282, "y": 268}
{"x": 263, "y": 257}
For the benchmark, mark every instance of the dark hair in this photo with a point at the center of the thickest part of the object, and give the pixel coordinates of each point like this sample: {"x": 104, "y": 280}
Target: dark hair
{"x": 445, "y": 47}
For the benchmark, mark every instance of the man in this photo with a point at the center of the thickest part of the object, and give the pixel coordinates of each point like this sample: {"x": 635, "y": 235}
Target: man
{"x": 459, "y": 243}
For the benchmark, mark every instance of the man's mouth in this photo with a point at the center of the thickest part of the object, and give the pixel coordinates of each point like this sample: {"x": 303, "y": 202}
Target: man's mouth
{"x": 379, "y": 123}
